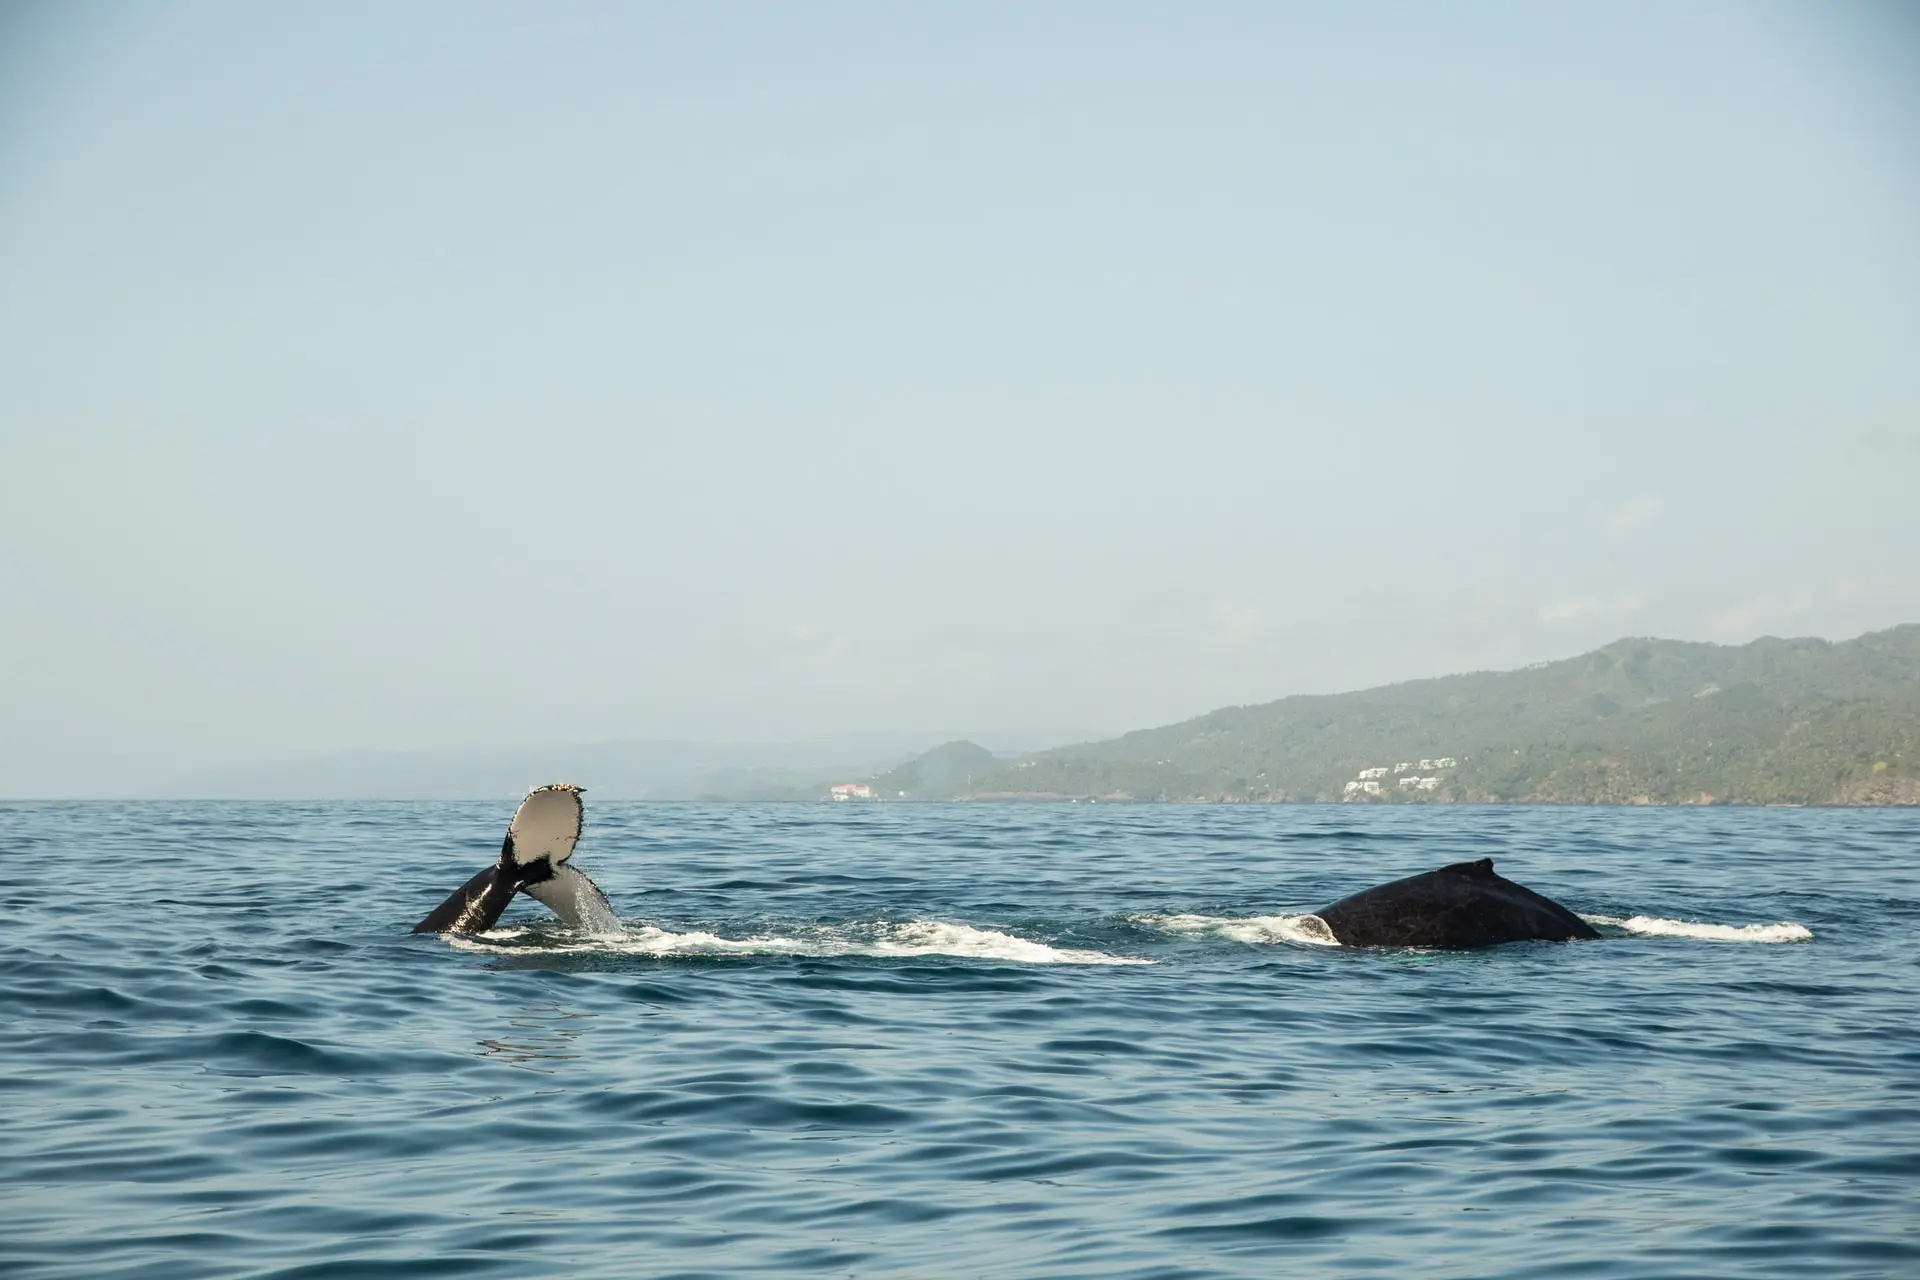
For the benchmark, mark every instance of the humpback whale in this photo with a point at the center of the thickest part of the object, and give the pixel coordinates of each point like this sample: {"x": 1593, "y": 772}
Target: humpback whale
{"x": 1463, "y": 905}
{"x": 533, "y": 860}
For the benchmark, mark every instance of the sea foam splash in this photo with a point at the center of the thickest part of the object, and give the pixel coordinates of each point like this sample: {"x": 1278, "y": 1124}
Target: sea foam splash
{"x": 914, "y": 938}
{"x": 1309, "y": 929}
{"x": 1656, "y": 927}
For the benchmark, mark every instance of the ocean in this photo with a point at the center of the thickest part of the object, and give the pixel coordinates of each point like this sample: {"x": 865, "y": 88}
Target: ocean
{"x": 953, "y": 1040}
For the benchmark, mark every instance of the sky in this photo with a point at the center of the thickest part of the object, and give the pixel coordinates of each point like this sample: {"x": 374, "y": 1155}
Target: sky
{"x": 394, "y": 377}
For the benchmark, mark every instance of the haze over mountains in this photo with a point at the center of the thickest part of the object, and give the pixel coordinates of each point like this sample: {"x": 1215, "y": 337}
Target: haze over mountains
{"x": 500, "y": 376}
{"x": 1802, "y": 721}
{"x": 625, "y": 770}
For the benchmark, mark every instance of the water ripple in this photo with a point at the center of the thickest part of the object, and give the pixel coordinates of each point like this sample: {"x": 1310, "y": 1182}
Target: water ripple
{"x": 954, "y": 1040}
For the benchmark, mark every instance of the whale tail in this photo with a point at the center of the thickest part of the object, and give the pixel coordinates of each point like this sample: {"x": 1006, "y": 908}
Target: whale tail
{"x": 575, "y": 898}
{"x": 533, "y": 859}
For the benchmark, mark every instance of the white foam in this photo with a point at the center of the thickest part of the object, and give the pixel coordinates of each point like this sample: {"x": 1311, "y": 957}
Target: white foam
{"x": 1309, "y": 929}
{"x": 934, "y": 938}
{"x": 1655, "y": 927}
{"x": 916, "y": 938}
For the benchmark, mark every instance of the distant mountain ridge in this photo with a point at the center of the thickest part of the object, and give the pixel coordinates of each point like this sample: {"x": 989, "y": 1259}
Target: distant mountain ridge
{"x": 950, "y": 770}
{"x": 1638, "y": 721}
{"x": 1802, "y": 721}
{"x": 632, "y": 770}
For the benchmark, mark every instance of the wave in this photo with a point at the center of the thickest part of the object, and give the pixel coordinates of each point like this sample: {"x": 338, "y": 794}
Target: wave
{"x": 880, "y": 939}
{"x": 1309, "y": 929}
{"x": 1656, "y": 927}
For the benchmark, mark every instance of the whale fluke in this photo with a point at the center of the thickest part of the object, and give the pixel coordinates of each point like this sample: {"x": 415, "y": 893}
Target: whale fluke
{"x": 533, "y": 859}
{"x": 474, "y": 906}
{"x": 576, "y": 899}
{"x": 1464, "y": 905}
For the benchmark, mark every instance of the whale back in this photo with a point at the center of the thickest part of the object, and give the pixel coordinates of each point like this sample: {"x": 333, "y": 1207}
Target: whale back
{"x": 1467, "y": 904}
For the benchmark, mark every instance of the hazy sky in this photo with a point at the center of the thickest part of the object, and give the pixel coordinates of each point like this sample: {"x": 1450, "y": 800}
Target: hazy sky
{"x": 417, "y": 375}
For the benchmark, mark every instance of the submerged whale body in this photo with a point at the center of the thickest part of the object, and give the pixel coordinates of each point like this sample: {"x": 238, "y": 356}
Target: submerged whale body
{"x": 1463, "y": 905}
{"x": 533, "y": 860}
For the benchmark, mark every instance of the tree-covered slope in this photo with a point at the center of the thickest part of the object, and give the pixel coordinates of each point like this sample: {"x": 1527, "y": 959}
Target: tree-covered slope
{"x": 949, "y": 770}
{"x": 1659, "y": 721}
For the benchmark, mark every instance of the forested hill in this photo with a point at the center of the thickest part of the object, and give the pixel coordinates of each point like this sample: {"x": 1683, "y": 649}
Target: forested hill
{"x": 1639, "y": 721}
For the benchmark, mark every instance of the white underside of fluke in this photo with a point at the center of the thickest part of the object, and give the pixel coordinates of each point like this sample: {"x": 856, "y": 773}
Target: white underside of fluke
{"x": 547, "y": 824}
{"x": 577, "y": 900}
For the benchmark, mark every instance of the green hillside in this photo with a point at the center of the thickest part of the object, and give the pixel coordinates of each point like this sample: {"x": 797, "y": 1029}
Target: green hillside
{"x": 950, "y": 770}
{"x": 1639, "y": 721}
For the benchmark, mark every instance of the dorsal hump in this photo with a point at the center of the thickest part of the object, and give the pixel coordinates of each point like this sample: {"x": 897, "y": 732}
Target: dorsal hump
{"x": 1478, "y": 869}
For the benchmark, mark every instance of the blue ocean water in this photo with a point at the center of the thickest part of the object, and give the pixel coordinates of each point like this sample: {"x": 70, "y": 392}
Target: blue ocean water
{"x": 953, "y": 1041}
